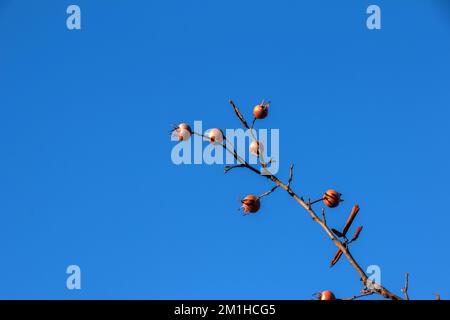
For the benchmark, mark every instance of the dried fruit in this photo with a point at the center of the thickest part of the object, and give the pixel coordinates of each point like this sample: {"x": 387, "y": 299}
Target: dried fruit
{"x": 215, "y": 136}
{"x": 183, "y": 131}
{"x": 331, "y": 198}
{"x": 250, "y": 204}
{"x": 327, "y": 295}
{"x": 256, "y": 147}
{"x": 261, "y": 111}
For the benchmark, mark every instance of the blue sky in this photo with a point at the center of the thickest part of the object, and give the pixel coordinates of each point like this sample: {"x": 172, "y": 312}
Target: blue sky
{"x": 86, "y": 176}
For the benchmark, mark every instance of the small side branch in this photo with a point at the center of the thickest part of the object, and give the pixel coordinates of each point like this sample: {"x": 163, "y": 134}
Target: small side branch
{"x": 324, "y": 218}
{"x": 291, "y": 169}
{"x": 228, "y": 168}
{"x": 363, "y": 294}
{"x": 239, "y": 114}
{"x": 405, "y": 289}
{"x": 253, "y": 124}
{"x": 268, "y": 192}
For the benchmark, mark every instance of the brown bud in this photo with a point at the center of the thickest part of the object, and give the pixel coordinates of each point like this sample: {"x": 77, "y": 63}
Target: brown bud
{"x": 336, "y": 257}
{"x": 358, "y": 231}
{"x": 350, "y": 219}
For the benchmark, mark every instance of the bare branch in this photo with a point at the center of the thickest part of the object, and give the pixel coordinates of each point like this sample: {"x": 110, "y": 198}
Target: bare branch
{"x": 228, "y": 168}
{"x": 268, "y": 192}
{"x": 342, "y": 246}
{"x": 324, "y": 218}
{"x": 291, "y": 169}
{"x": 405, "y": 289}
{"x": 364, "y": 294}
{"x": 253, "y": 123}
{"x": 239, "y": 114}
{"x": 364, "y": 278}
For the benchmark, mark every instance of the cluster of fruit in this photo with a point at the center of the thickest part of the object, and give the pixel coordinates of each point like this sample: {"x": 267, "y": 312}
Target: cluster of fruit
{"x": 215, "y": 136}
{"x": 183, "y": 131}
{"x": 252, "y": 203}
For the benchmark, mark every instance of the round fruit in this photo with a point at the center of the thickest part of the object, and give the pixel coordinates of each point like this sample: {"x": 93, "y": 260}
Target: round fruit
{"x": 331, "y": 198}
{"x": 260, "y": 111}
{"x": 250, "y": 204}
{"x": 215, "y": 136}
{"x": 183, "y": 131}
{"x": 256, "y": 147}
{"x": 327, "y": 295}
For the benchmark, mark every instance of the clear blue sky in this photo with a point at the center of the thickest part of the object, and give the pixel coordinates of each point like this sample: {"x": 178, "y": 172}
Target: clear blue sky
{"x": 86, "y": 176}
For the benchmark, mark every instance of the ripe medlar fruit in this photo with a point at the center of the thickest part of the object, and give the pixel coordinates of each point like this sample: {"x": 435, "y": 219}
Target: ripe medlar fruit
{"x": 250, "y": 204}
{"x": 256, "y": 147}
{"x": 261, "y": 111}
{"x": 331, "y": 198}
{"x": 215, "y": 136}
{"x": 327, "y": 295}
{"x": 183, "y": 131}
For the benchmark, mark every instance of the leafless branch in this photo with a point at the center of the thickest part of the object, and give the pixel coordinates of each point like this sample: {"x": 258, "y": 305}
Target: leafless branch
{"x": 378, "y": 288}
{"x": 405, "y": 289}
{"x": 268, "y": 192}
{"x": 228, "y": 168}
{"x": 291, "y": 173}
{"x": 324, "y": 218}
{"x": 239, "y": 114}
{"x": 342, "y": 246}
{"x": 364, "y": 294}
{"x": 253, "y": 124}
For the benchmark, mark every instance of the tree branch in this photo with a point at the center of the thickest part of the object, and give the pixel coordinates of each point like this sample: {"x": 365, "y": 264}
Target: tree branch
{"x": 377, "y": 288}
{"x": 291, "y": 173}
{"x": 239, "y": 114}
{"x": 364, "y": 294}
{"x": 268, "y": 192}
{"x": 405, "y": 289}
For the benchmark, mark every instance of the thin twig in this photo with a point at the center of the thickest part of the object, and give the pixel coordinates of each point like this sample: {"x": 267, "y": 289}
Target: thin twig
{"x": 365, "y": 294}
{"x": 253, "y": 123}
{"x": 268, "y": 192}
{"x": 324, "y": 218}
{"x": 405, "y": 289}
{"x": 239, "y": 114}
{"x": 245, "y": 124}
{"x": 228, "y": 168}
{"x": 291, "y": 169}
